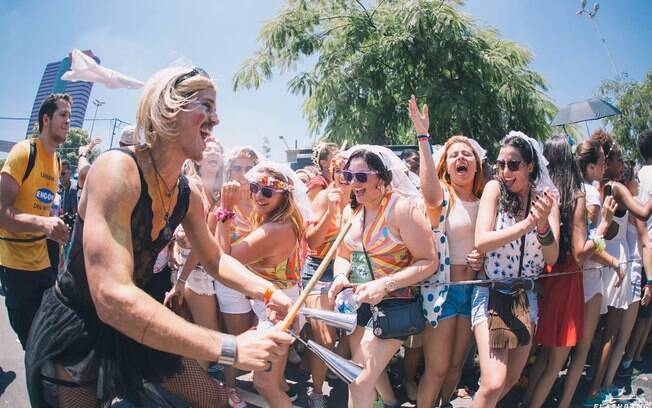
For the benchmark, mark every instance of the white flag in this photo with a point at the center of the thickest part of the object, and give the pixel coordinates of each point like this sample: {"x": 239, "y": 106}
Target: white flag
{"x": 84, "y": 68}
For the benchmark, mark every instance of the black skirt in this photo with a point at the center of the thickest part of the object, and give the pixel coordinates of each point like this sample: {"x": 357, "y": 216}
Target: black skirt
{"x": 67, "y": 336}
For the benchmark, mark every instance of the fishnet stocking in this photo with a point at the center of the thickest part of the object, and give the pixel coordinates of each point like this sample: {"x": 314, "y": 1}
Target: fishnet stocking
{"x": 77, "y": 396}
{"x": 195, "y": 386}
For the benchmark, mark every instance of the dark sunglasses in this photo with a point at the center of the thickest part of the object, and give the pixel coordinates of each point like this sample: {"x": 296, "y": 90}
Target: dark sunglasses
{"x": 195, "y": 71}
{"x": 267, "y": 192}
{"x": 512, "y": 165}
{"x": 360, "y": 176}
{"x": 243, "y": 169}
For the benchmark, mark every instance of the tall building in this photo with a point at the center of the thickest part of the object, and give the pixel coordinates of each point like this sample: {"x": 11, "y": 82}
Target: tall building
{"x": 51, "y": 82}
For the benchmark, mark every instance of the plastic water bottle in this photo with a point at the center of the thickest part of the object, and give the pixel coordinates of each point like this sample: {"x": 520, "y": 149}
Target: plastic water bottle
{"x": 346, "y": 301}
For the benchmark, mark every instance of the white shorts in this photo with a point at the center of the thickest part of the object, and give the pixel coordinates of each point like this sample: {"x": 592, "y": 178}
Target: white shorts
{"x": 200, "y": 282}
{"x": 480, "y": 299}
{"x": 260, "y": 310}
{"x": 637, "y": 270}
{"x": 592, "y": 280}
{"x": 230, "y": 300}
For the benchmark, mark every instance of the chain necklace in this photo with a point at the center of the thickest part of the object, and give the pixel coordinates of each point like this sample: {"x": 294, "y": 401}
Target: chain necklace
{"x": 167, "y": 230}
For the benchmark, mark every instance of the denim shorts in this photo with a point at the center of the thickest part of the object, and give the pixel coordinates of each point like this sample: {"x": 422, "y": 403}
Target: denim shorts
{"x": 458, "y": 302}
{"x": 481, "y": 299}
{"x": 309, "y": 268}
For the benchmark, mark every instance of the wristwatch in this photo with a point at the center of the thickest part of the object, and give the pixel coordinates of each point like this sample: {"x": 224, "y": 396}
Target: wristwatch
{"x": 228, "y": 352}
{"x": 390, "y": 285}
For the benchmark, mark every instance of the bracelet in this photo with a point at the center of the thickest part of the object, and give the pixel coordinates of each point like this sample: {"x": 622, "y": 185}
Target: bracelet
{"x": 425, "y": 136}
{"x": 546, "y": 239}
{"x": 545, "y": 230}
{"x": 267, "y": 296}
{"x": 228, "y": 351}
{"x": 599, "y": 243}
{"x": 181, "y": 280}
{"x": 222, "y": 214}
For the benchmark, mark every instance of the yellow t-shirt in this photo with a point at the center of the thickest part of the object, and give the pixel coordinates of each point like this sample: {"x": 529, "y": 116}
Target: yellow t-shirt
{"x": 35, "y": 196}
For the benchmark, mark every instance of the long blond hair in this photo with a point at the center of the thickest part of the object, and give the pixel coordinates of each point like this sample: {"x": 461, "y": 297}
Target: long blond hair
{"x": 162, "y": 101}
{"x": 287, "y": 209}
{"x": 442, "y": 172}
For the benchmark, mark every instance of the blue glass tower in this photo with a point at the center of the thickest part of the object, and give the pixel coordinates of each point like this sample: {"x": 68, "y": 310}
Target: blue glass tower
{"x": 51, "y": 82}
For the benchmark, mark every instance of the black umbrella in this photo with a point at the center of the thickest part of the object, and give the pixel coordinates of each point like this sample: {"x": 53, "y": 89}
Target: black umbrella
{"x": 591, "y": 109}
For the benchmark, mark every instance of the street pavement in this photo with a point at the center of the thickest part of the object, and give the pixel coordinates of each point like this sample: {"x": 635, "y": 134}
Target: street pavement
{"x": 13, "y": 392}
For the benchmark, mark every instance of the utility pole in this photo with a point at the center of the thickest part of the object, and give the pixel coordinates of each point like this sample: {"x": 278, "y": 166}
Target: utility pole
{"x": 591, "y": 16}
{"x": 97, "y": 104}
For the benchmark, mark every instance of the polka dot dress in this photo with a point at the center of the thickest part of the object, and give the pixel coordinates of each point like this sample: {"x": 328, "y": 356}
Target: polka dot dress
{"x": 434, "y": 294}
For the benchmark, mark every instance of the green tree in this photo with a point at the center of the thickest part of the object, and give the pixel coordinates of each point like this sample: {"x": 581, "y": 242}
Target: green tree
{"x": 634, "y": 99}
{"x": 69, "y": 150}
{"x": 369, "y": 59}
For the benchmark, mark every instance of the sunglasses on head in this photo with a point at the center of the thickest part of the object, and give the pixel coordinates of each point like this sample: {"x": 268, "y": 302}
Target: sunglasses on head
{"x": 266, "y": 191}
{"x": 360, "y": 176}
{"x": 243, "y": 169}
{"x": 512, "y": 165}
{"x": 195, "y": 71}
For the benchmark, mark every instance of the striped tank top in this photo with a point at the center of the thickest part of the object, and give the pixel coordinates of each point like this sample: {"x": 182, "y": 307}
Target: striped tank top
{"x": 387, "y": 253}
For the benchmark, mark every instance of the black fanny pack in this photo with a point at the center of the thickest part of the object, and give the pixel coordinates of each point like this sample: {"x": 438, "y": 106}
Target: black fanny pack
{"x": 398, "y": 318}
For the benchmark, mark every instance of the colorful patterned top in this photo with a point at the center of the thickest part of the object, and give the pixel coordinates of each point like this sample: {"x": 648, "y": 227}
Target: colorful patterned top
{"x": 331, "y": 234}
{"x": 387, "y": 253}
{"x": 286, "y": 274}
{"x": 240, "y": 227}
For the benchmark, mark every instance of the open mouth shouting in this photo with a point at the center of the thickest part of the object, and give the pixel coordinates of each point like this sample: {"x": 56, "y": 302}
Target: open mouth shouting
{"x": 462, "y": 169}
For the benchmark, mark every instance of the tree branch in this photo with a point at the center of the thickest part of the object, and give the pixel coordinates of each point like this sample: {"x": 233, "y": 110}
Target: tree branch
{"x": 366, "y": 12}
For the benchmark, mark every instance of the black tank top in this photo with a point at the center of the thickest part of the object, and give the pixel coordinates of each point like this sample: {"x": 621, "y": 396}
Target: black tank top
{"x": 72, "y": 281}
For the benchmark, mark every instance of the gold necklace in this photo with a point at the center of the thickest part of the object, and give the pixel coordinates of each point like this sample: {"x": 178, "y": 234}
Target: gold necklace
{"x": 167, "y": 229}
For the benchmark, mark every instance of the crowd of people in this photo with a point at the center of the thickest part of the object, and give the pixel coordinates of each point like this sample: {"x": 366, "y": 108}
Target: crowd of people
{"x": 184, "y": 254}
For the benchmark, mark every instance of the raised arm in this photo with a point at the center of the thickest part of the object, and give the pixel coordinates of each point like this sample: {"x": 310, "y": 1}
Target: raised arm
{"x": 430, "y": 186}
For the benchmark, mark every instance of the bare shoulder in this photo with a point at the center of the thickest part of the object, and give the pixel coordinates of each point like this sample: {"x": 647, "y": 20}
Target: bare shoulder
{"x": 279, "y": 230}
{"x": 406, "y": 210}
{"x": 492, "y": 187}
{"x": 114, "y": 175}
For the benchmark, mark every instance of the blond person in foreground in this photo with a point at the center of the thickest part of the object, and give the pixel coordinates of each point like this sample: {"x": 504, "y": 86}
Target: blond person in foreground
{"x": 99, "y": 333}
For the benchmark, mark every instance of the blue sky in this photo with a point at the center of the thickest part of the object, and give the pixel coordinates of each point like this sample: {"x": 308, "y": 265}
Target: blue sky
{"x": 139, "y": 37}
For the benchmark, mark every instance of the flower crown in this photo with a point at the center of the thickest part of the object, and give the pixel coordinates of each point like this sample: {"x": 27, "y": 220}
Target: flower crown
{"x": 338, "y": 162}
{"x": 268, "y": 181}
